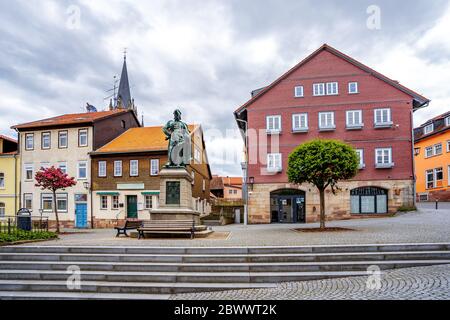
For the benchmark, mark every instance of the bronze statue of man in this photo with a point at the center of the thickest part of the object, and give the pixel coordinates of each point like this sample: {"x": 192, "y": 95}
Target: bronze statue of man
{"x": 179, "y": 149}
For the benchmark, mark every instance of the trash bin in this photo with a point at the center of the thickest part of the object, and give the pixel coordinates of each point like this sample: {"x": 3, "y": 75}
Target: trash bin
{"x": 24, "y": 219}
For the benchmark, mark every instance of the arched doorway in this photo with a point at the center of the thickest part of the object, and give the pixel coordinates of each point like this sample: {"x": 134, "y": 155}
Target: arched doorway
{"x": 368, "y": 200}
{"x": 287, "y": 206}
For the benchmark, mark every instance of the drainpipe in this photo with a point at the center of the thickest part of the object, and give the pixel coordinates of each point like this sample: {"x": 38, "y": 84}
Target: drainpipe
{"x": 413, "y": 158}
{"x": 16, "y": 175}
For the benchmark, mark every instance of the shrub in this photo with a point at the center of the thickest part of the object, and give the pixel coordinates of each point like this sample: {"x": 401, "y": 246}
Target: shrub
{"x": 20, "y": 235}
{"x": 406, "y": 209}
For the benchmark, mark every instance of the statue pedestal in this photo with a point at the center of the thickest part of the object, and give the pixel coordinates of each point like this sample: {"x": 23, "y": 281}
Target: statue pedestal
{"x": 175, "y": 196}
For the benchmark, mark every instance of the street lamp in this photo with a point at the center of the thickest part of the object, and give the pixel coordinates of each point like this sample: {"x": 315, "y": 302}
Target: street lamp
{"x": 87, "y": 186}
{"x": 245, "y": 170}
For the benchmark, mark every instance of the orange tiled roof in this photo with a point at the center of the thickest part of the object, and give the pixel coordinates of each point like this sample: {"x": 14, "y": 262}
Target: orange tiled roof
{"x": 66, "y": 119}
{"x": 232, "y": 181}
{"x": 138, "y": 140}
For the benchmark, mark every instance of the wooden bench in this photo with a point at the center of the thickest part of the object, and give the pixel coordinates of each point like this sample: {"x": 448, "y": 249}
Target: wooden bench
{"x": 129, "y": 225}
{"x": 167, "y": 227}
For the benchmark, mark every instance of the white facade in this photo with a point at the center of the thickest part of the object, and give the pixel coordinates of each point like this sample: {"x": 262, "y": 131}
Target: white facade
{"x": 73, "y": 157}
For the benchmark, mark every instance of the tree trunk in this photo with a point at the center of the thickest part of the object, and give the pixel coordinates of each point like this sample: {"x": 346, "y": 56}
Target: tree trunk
{"x": 56, "y": 211}
{"x": 322, "y": 208}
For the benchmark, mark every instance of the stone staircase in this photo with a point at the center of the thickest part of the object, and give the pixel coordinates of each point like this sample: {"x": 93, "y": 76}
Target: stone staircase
{"x": 40, "y": 272}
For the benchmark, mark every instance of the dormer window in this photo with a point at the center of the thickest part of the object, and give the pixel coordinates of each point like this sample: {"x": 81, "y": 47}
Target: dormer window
{"x": 447, "y": 121}
{"x": 428, "y": 128}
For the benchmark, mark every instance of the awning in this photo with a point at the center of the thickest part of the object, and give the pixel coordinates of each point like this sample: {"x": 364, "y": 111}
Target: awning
{"x": 146, "y": 193}
{"x": 108, "y": 193}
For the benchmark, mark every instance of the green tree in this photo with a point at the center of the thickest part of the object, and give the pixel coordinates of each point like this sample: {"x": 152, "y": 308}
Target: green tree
{"x": 322, "y": 163}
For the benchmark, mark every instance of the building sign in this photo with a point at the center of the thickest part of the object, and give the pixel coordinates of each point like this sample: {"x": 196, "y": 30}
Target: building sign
{"x": 130, "y": 186}
{"x": 173, "y": 192}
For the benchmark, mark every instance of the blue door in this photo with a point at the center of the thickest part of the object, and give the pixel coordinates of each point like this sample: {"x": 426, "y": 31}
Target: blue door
{"x": 81, "y": 215}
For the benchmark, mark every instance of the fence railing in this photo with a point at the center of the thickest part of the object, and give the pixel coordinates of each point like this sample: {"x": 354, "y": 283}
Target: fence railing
{"x": 9, "y": 224}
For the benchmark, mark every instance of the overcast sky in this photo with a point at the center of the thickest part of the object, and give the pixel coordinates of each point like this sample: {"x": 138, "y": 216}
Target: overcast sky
{"x": 204, "y": 56}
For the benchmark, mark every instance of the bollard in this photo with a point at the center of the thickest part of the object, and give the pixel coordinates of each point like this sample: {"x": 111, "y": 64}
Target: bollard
{"x": 436, "y": 201}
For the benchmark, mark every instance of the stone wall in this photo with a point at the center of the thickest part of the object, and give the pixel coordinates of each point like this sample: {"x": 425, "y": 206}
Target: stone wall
{"x": 400, "y": 193}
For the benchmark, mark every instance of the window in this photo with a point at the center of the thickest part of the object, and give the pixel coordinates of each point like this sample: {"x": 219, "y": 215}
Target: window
{"x": 360, "y": 153}
{"x": 82, "y": 138}
{"x": 45, "y": 165}
{"x": 62, "y": 139}
{"x": 62, "y": 166}
{"x": 193, "y": 177}
{"x": 148, "y": 201}
{"x": 2, "y": 209}
{"x": 197, "y": 155}
{"x": 134, "y": 168}
{"x": 368, "y": 200}
{"x": 354, "y": 119}
{"x": 45, "y": 140}
{"x": 428, "y": 152}
{"x": 300, "y": 122}
{"x": 123, "y": 124}
{"x": 428, "y": 128}
{"x": 318, "y": 89}
{"x": 352, "y": 87}
{"x": 230, "y": 191}
{"x": 2, "y": 180}
{"x": 326, "y": 121}
{"x": 115, "y": 202}
{"x": 383, "y": 158}
{"x": 29, "y": 141}
{"x": 437, "y": 149}
{"x": 448, "y": 175}
{"x": 423, "y": 197}
{"x": 447, "y": 121}
{"x": 154, "y": 167}
{"x": 274, "y": 162}
{"x": 47, "y": 202}
{"x": 273, "y": 124}
{"x": 204, "y": 185}
{"x": 118, "y": 168}
{"x": 103, "y": 202}
{"x": 332, "y": 88}
{"x": 61, "y": 202}
{"x": 298, "y": 91}
{"x": 28, "y": 201}
{"x": 433, "y": 178}
{"x": 382, "y": 117}
{"x": 82, "y": 170}
{"x": 29, "y": 174}
{"x": 102, "y": 168}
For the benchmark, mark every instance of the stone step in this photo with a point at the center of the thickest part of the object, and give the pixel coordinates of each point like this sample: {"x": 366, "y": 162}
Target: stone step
{"x": 36, "y": 295}
{"x": 125, "y": 287}
{"x": 230, "y": 250}
{"x": 228, "y": 258}
{"x": 217, "y": 267}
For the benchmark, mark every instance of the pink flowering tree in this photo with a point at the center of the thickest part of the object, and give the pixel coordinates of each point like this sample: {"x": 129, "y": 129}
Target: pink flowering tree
{"x": 53, "y": 179}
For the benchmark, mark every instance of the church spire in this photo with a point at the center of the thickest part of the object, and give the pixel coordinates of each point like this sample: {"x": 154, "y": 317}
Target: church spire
{"x": 124, "y": 95}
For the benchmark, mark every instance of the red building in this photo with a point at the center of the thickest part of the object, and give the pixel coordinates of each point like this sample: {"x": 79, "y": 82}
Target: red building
{"x": 330, "y": 95}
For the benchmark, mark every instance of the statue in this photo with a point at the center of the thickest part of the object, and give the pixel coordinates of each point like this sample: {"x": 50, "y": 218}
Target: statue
{"x": 179, "y": 150}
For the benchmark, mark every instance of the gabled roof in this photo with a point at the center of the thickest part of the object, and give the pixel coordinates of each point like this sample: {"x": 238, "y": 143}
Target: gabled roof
{"x": 8, "y": 138}
{"x": 232, "y": 181}
{"x": 70, "y": 119}
{"x": 141, "y": 139}
{"x": 419, "y": 100}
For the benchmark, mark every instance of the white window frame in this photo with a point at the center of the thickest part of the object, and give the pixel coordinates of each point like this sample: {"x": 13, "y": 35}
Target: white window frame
{"x": 28, "y": 197}
{"x": 27, "y": 136}
{"x": 2, "y": 180}
{"x": 447, "y": 121}
{"x": 332, "y": 88}
{"x": 389, "y": 164}
{"x": 80, "y": 164}
{"x": 354, "y": 125}
{"x": 114, "y": 202}
{"x": 360, "y": 153}
{"x": 83, "y": 132}
{"x": 384, "y": 122}
{"x": 429, "y": 148}
{"x": 47, "y": 196}
{"x": 102, "y": 169}
{"x": 118, "y": 168}
{"x": 448, "y": 145}
{"x": 2, "y": 209}
{"x": 103, "y": 204}
{"x": 44, "y": 165}
{"x": 274, "y": 158}
{"x": 154, "y": 167}
{"x": 300, "y": 116}
{"x": 435, "y": 149}
{"x": 134, "y": 168}
{"x": 148, "y": 204}
{"x": 273, "y": 119}
{"x": 331, "y": 126}
{"x": 29, "y": 167}
{"x": 44, "y": 136}
{"x": 298, "y": 92}
{"x": 448, "y": 175}
{"x": 318, "y": 89}
{"x": 204, "y": 185}
{"x": 350, "y": 91}
{"x": 60, "y": 134}
{"x": 62, "y": 164}
{"x": 428, "y": 128}
{"x": 193, "y": 177}
{"x": 62, "y": 197}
